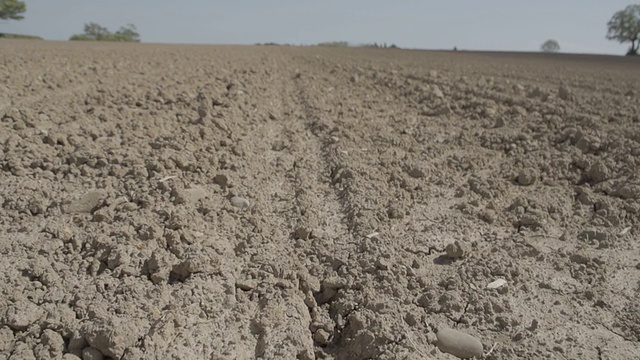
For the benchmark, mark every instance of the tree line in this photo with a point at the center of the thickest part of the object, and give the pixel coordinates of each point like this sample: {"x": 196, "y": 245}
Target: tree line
{"x": 14, "y": 10}
{"x": 95, "y": 32}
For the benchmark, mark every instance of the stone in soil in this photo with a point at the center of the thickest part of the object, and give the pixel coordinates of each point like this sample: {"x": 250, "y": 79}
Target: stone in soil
{"x": 459, "y": 344}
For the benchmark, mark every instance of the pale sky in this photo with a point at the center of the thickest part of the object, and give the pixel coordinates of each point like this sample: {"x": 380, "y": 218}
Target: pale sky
{"x": 512, "y": 25}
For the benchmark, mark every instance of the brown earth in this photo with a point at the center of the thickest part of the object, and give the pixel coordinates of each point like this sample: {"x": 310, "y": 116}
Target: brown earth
{"x": 201, "y": 202}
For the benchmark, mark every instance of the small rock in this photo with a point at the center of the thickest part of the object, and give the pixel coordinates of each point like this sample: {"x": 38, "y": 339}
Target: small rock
{"x": 326, "y": 296}
{"x": 90, "y": 353}
{"x": 62, "y": 232}
{"x": 87, "y": 203}
{"x": 53, "y": 341}
{"x": 564, "y": 92}
{"x": 334, "y": 282}
{"x": 70, "y": 356}
{"x": 598, "y": 172}
{"x": 77, "y": 342}
{"x": 238, "y": 150}
{"x": 435, "y": 90}
{"x": 179, "y": 196}
{"x": 383, "y": 264}
{"x": 302, "y": 233}
{"x": 518, "y": 88}
{"x": 221, "y": 180}
{"x": 159, "y": 266}
{"x": 239, "y": 202}
{"x": 129, "y": 206}
{"x": 394, "y": 213}
{"x": 488, "y": 216}
{"x": 246, "y": 284}
{"x": 527, "y": 177}
{"x": 216, "y": 102}
{"x": 103, "y": 215}
{"x": 310, "y": 300}
{"x": 589, "y": 144}
{"x": 321, "y": 337}
{"x": 585, "y": 197}
{"x": 411, "y": 319}
{"x": 202, "y": 111}
{"x": 456, "y": 250}
{"x": 309, "y": 283}
{"x": 278, "y": 145}
{"x": 489, "y": 112}
{"x": 459, "y": 344}
{"x": 519, "y": 110}
{"x": 416, "y": 173}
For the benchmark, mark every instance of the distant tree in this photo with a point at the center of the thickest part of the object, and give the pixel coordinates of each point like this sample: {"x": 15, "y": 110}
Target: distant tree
{"x": 550, "y": 46}
{"x": 624, "y": 27}
{"x": 12, "y": 9}
{"x": 127, "y": 33}
{"x": 96, "y": 32}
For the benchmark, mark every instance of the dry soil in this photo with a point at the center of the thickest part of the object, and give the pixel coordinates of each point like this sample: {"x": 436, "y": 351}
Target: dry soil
{"x": 219, "y": 202}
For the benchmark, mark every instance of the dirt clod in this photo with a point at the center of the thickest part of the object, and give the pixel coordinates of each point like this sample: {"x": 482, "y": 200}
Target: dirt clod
{"x": 457, "y": 250}
{"x": 527, "y": 177}
{"x": 87, "y": 203}
{"x": 598, "y": 172}
{"x": 564, "y": 92}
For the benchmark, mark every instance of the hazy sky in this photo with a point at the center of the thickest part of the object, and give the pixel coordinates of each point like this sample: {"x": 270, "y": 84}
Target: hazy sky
{"x": 578, "y": 25}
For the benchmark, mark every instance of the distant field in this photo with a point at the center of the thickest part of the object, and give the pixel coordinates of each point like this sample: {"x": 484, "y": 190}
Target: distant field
{"x": 18, "y": 36}
{"x": 243, "y": 202}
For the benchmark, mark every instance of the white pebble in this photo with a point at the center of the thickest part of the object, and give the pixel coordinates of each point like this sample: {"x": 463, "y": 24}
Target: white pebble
{"x": 496, "y": 284}
{"x": 239, "y": 202}
{"x": 459, "y": 344}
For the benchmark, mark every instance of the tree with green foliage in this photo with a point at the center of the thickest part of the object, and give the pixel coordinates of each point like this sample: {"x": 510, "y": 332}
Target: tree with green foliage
{"x": 624, "y": 27}
{"x": 96, "y": 32}
{"x": 93, "y": 31}
{"x": 550, "y": 46}
{"x": 127, "y": 33}
{"x": 12, "y": 9}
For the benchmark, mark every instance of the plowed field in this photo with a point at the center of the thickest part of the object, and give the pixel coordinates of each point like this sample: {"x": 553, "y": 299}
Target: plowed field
{"x": 222, "y": 202}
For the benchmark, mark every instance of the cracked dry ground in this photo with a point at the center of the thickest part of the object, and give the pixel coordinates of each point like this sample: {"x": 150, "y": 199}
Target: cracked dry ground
{"x": 119, "y": 238}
